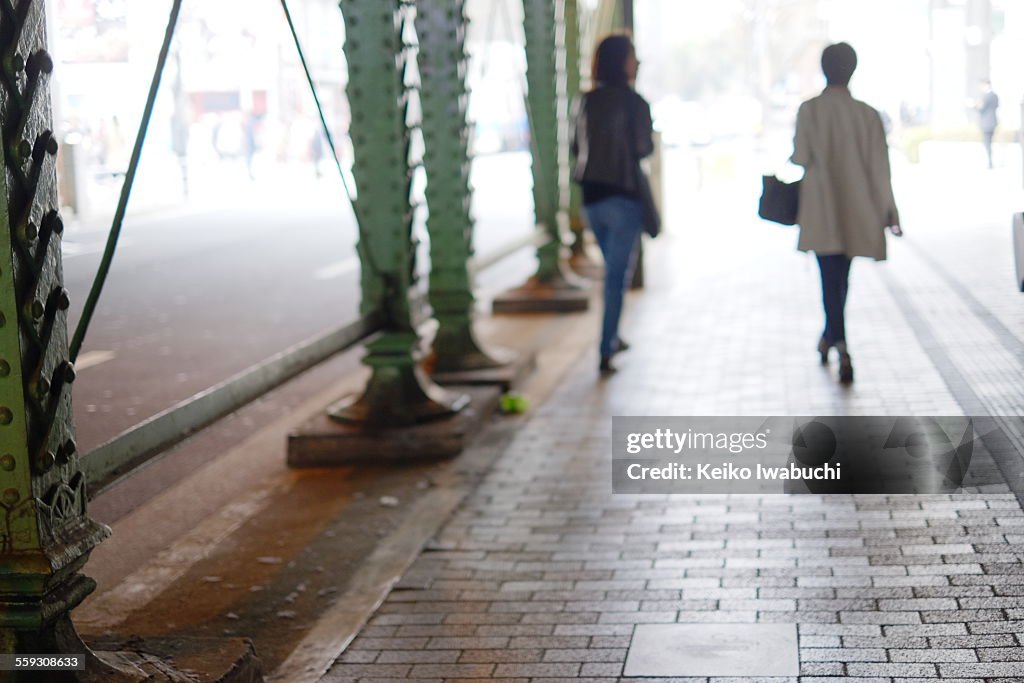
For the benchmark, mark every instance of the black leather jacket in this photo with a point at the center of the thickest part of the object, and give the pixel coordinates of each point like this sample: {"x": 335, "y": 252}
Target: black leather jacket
{"x": 612, "y": 133}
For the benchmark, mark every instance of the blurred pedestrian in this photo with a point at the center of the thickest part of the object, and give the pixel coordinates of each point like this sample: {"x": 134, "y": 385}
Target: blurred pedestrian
{"x": 249, "y": 142}
{"x": 316, "y": 151}
{"x": 846, "y": 197}
{"x": 612, "y": 133}
{"x": 986, "y": 107}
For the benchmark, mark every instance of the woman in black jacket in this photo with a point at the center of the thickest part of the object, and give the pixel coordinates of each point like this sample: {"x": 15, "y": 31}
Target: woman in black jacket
{"x": 613, "y": 132}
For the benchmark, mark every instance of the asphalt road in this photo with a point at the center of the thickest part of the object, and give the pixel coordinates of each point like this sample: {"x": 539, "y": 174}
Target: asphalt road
{"x": 202, "y": 290}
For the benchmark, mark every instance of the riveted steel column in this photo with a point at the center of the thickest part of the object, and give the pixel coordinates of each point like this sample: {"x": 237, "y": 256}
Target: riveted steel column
{"x": 379, "y": 56}
{"x": 45, "y": 534}
{"x": 573, "y": 77}
{"x": 553, "y": 287}
{"x": 441, "y": 30}
{"x": 544, "y": 25}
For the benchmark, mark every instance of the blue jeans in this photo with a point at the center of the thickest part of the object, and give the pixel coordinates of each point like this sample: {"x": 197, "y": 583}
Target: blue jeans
{"x": 835, "y": 274}
{"x": 616, "y": 223}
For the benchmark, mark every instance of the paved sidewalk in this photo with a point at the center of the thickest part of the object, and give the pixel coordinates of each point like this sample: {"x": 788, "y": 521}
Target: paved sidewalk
{"x": 542, "y": 574}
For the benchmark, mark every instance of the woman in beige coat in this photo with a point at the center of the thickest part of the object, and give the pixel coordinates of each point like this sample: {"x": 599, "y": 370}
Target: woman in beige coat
{"x": 846, "y": 198}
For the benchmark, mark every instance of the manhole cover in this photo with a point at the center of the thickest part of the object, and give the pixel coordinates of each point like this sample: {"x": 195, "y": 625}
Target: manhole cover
{"x": 713, "y": 650}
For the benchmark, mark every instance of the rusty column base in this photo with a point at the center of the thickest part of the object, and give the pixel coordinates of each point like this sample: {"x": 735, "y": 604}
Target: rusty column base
{"x": 181, "y": 660}
{"x": 584, "y": 265}
{"x": 513, "y": 369}
{"x": 325, "y": 442}
{"x": 156, "y": 660}
{"x": 561, "y": 292}
{"x": 581, "y": 262}
{"x": 398, "y": 396}
{"x": 398, "y": 393}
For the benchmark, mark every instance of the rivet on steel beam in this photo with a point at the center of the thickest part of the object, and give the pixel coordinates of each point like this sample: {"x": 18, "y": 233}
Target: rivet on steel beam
{"x": 47, "y": 142}
{"x": 27, "y": 232}
{"x": 7, "y": 462}
{"x": 10, "y": 497}
{"x": 58, "y": 300}
{"x": 34, "y": 309}
{"x": 14, "y": 63}
{"x": 6, "y": 416}
{"x": 65, "y": 452}
{"x": 21, "y": 149}
{"x": 66, "y": 370}
{"x": 43, "y": 61}
{"x": 5, "y": 368}
{"x": 39, "y": 388}
{"x": 53, "y": 223}
{"x": 45, "y": 462}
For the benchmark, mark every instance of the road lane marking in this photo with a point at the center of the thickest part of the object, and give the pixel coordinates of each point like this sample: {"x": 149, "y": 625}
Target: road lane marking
{"x": 114, "y": 606}
{"x": 91, "y": 359}
{"x": 110, "y": 606}
{"x": 336, "y": 270}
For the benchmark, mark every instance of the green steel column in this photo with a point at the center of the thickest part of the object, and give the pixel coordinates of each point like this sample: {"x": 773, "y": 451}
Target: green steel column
{"x": 573, "y": 77}
{"x": 379, "y": 44}
{"x": 544, "y": 25}
{"x": 46, "y": 535}
{"x": 441, "y": 30}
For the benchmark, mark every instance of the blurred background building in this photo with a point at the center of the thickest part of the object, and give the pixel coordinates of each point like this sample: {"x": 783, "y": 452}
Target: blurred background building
{"x": 233, "y": 103}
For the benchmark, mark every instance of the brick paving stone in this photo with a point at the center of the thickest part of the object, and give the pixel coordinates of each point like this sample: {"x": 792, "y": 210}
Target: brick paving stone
{"x": 358, "y": 656}
{"x": 933, "y": 655}
{"x": 451, "y": 671}
{"x": 467, "y": 643}
{"x": 891, "y": 669}
{"x": 417, "y": 657}
{"x": 1002, "y": 654}
{"x": 847, "y": 654}
{"x": 592, "y": 654}
{"x": 541, "y": 574}
{"x": 996, "y": 627}
{"x": 499, "y": 655}
{"x": 415, "y": 630}
{"x": 821, "y": 669}
{"x": 962, "y": 615}
{"x": 926, "y": 630}
{"x": 887, "y": 643}
{"x": 363, "y": 643}
{"x": 996, "y": 640}
{"x": 987, "y": 669}
{"x": 485, "y": 618}
{"x": 564, "y": 669}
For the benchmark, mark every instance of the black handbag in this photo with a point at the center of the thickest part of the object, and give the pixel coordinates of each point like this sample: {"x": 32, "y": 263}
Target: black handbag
{"x": 779, "y": 200}
{"x": 652, "y": 219}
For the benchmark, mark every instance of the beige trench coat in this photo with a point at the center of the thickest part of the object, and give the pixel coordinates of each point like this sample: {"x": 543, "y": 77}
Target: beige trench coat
{"x": 846, "y": 198}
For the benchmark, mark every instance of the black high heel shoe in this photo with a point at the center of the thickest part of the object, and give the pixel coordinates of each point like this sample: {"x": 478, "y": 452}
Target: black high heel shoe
{"x": 823, "y": 349}
{"x": 845, "y": 369}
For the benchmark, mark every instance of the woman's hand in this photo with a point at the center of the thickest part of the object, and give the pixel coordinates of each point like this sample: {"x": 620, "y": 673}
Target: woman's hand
{"x": 896, "y": 230}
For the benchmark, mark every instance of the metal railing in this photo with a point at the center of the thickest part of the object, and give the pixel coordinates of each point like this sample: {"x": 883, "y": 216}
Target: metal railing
{"x": 144, "y": 442}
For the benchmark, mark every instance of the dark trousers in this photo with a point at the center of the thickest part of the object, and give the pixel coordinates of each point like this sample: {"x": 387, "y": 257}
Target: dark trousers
{"x": 986, "y": 139}
{"x": 835, "y": 277}
{"x": 616, "y": 223}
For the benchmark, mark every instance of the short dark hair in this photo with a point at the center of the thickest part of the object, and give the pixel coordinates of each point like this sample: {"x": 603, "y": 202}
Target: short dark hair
{"x": 609, "y": 63}
{"x": 838, "y": 61}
